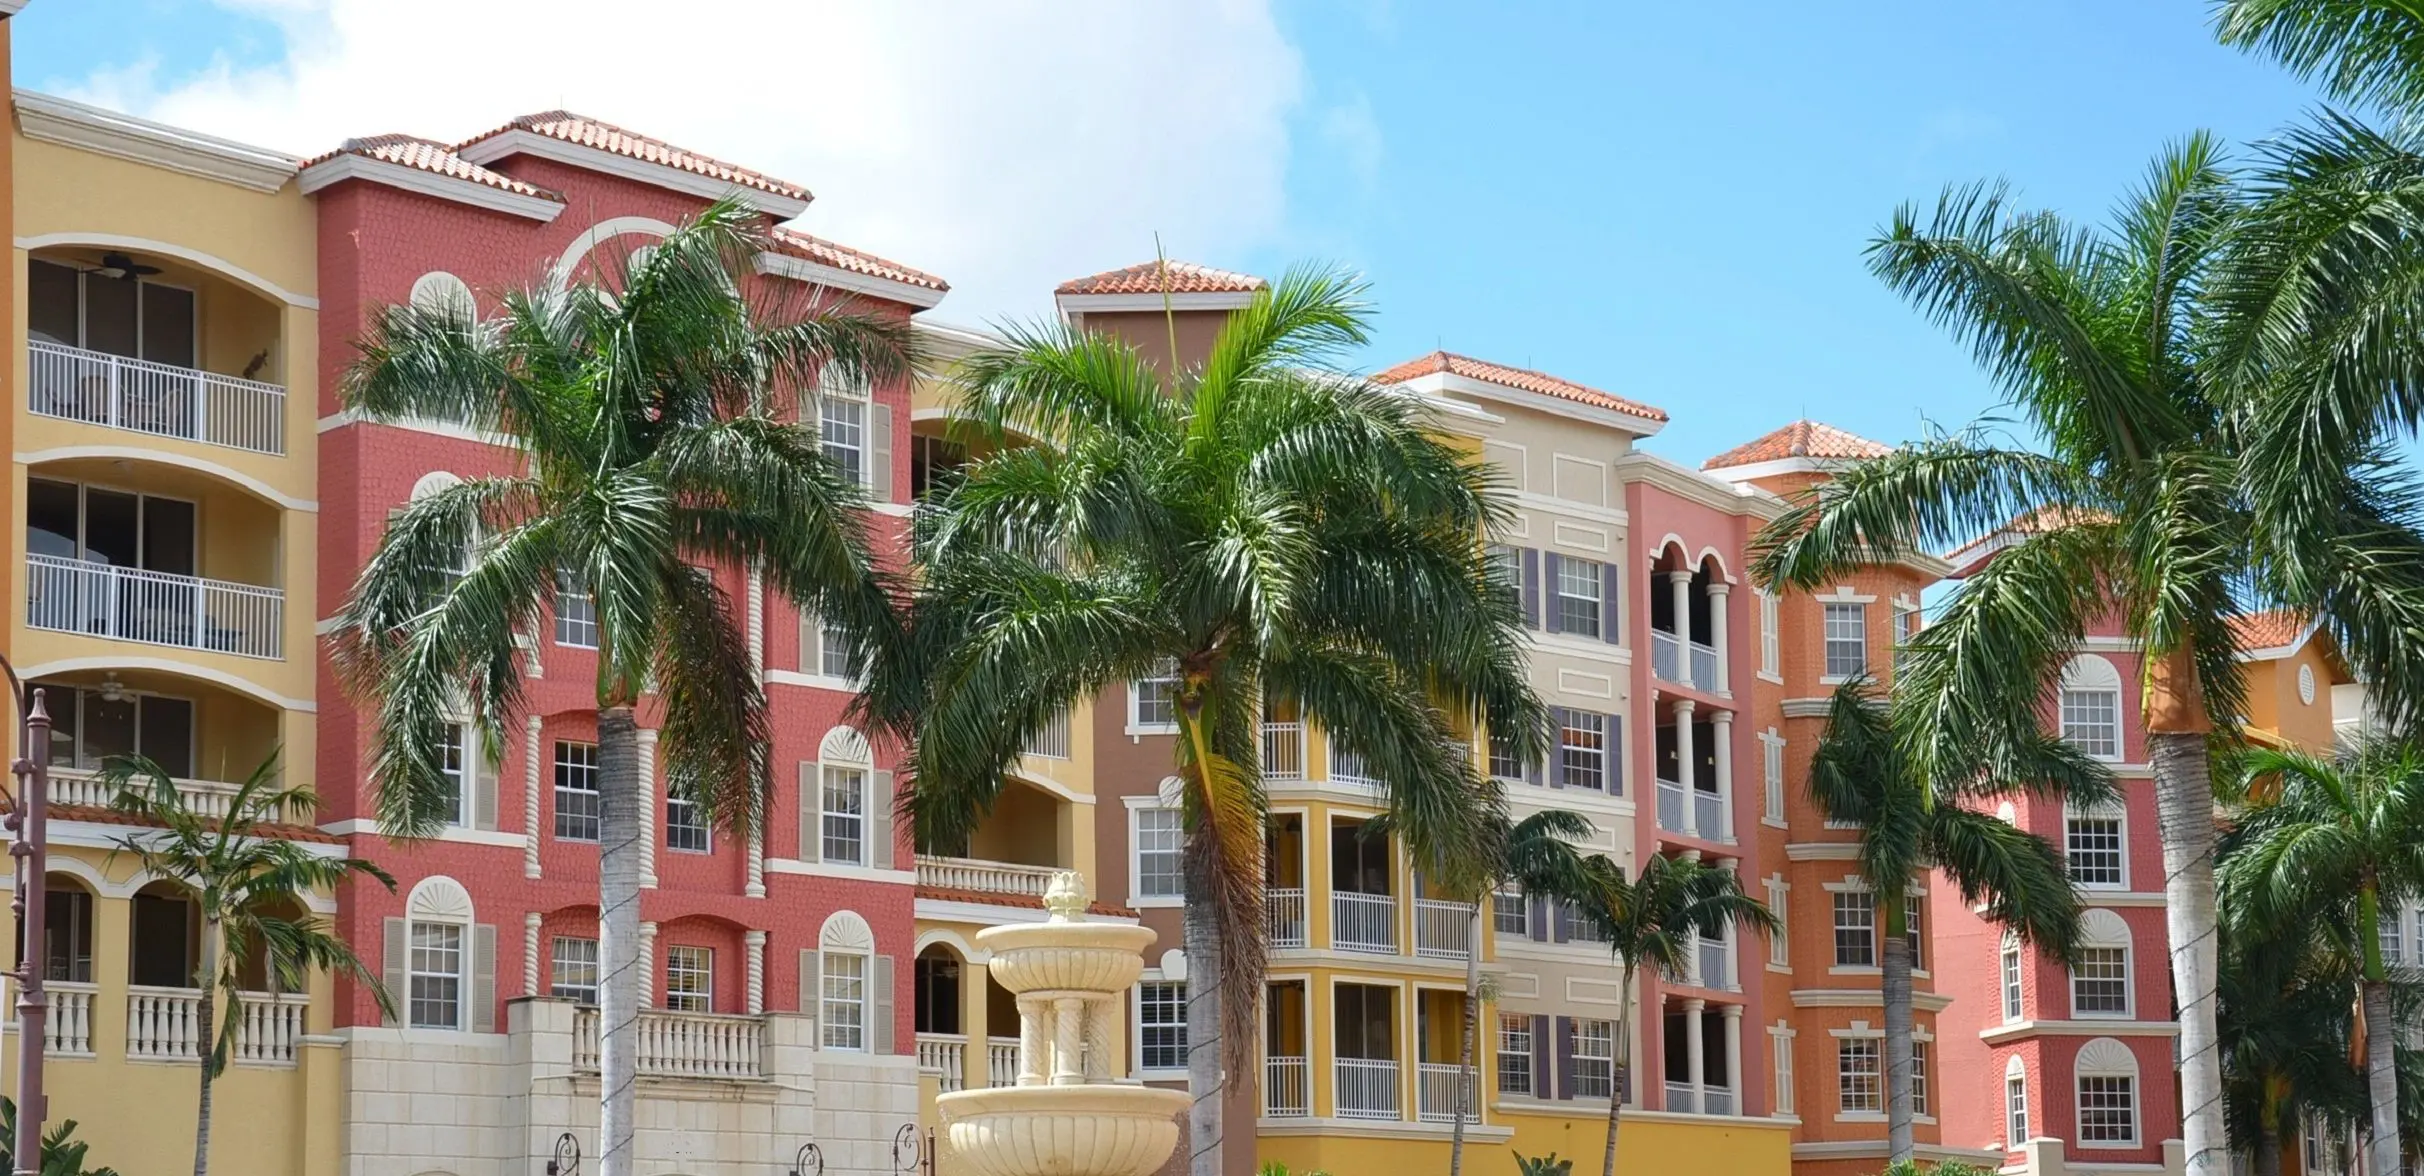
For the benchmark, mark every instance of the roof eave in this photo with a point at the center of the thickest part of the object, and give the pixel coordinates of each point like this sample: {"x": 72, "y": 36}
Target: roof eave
{"x": 815, "y": 273}
{"x": 349, "y": 166}
{"x": 1449, "y": 382}
{"x": 517, "y": 141}
{"x": 1081, "y": 304}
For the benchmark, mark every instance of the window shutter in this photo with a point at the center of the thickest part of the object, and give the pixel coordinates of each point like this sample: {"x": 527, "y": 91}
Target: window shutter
{"x": 483, "y": 787}
{"x": 484, "y": 978}
{"x": 1563, "y": 1034}
{"x": 812, "y": 1005}
{"x": 879, "y": 820}
{"x": 1543, "y": 1063}
{"x": 879, "y": 451}
{"x": 880, "y": 1016}
{"x": 1531, "y": 771}
{"x": 1561, "y": 922}
{"x": 1610, "y": 611}
{"x": 1531, "y": 587}
{"x": 1548, "y": 592}
{"x": 812, "y": 644}
{"x": 1536, "y": 918}
{"x": 1615, "y": 766}
{"x": 392, "y": 968}
{"x": 812, "y": 825}
{"x": 1556, "y": 765}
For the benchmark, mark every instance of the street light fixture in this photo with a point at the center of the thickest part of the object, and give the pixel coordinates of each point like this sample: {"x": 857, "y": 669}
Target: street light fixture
{"x": 28, "y": 825}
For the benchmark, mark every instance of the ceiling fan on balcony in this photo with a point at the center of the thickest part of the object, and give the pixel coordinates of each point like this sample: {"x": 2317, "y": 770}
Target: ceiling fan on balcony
{"x": 112, "y": 690}
{"x": 114, "y": 264}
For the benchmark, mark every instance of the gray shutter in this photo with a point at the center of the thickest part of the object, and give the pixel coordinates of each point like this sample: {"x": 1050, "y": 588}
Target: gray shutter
{"x": 1536, "y": 918}
{"x": 1610, "y": 610}
{"x": 812, "y": 1004}
{"x": 1531, "y": 587}
{"x": 879, "y": 1032}
{"x": 1556, "y": 774}
{"x": 1615, "y": 769}
{"x": 484, "y": 978}
{"x": 392, "y": 969}
{"x": 483, "y": 786}
{"x": 879, "y": 451}
{"x": 1543, "y": 1048}
{"x": 879, "y": 820}
{"x": 1562, "y": 1031}
{"x": 1548, "y": 592}
{"x": 1531, "y": 772}
{"x": 812, "y": 642}
{"x": 812, "y": 825}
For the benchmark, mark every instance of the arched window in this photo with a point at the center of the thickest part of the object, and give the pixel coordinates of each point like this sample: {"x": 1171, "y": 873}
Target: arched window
{"x": 439, "y": 964}
{"x": 2015, "y": 1103}
{"x": 67, "y": 930}
{"x": 2011, "y": 977}
{"x": 165, "y": 943}
{"x": 848, "y": 986}
{"x": 2108, "y": 1095}
{"x": 439, "y": 291}
{"x": 2100, "y": 980}
{"x": 2091, "y": 706}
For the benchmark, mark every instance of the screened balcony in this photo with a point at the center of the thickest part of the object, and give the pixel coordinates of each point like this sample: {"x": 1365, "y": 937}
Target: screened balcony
{"x": 175, "y": 352}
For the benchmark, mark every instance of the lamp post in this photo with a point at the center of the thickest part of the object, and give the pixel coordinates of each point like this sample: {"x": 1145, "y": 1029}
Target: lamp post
{"x": 27, "y": 821}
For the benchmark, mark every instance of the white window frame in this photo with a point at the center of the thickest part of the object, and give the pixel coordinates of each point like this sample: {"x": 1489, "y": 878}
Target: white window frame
{"x": 1869, "y": 1050}
{"x": 1837, "y": 905}
{"x": 1145, "y": 824}
{"x": 2128, "y": 996}
{"x": 1781, "y": 1039}
{"x": 1506, "y": 899}
{"x": 576, "y": 613}
{"x": 1852, "y": 616}
{"x": 459, "y": 977}
{"x": 1514, "y": 1027}
{"x": 564, "y": 967}
{"x": 1771, "y": 642}
{"x": 2015, "y": 1104}
{"x": 462, "y": 749}
{"x": 1142, "y": 1026}
{"x": 1919, "y": 1062}
{"x": 1558, "y": 596}
{"x": 842, "y": 1019}
{"x": 835, "y": 408}
{"x": 2009, "y": 975}
{"x": 1574, "y": 756}
{"x": 2086, "y": 1074}
{"x": 1600, "y": 1035}
{"x": 1780, "y": 947}
{"x": 2090, "y": 675}
{"x": 2119, "y": 816}
{"x": 2389, "y": 922}
{"x": 694, "y": 965}
{"x": 1165, "y": 672}
{"x": 683, "y": 818}
{"x": 840, "y": 789}
{"x": 595, "y": 818}
{"x": 833, "y": 653}
{"x": 2101, "y": 739}
{"x": 1771, "y": 774}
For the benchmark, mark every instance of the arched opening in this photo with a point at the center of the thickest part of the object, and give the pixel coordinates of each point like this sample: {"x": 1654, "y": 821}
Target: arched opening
{"x": 165, "y": 937}
{"x": 67, "y": 931}
{"x": 206, "y": 736}
{"x": 256, "y": 974}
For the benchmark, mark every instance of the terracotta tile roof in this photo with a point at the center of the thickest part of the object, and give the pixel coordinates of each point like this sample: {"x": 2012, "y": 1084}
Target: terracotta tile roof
{"x": 589, "y": 132}
{"x": 1802, "y": 438}
{"x": 997, "y": 898}
{"x": 2267, "y": 630}
{"x": 429, "y": 156}
{"x": 842, "y": 257}
{"x": 1511, "y": 377}
{"x": 1184, "y": 277}
{"x": 98, "y": 815}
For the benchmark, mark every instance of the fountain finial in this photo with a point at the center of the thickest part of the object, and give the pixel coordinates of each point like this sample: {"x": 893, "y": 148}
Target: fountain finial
{"x": 1065, "y": 897}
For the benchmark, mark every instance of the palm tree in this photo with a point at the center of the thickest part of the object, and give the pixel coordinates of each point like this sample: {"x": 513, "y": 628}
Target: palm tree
{"x": 1261, "y": 530}
{"x": 2369, "y": 52}
{"x": 62, "y": 1153}
{"x": 2285, "y": 1031}
{"x": 1652, "y": 922}
{"x": 660, "y": 422}
{"x": 1863, "y": 776}
{"x": 2341, "y": 839}
{"x": 249, "y": 885}
{"x": 2146, "y": 506}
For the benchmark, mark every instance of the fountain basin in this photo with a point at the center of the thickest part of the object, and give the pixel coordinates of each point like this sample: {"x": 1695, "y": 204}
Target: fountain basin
{"x": 1098, "y": 1130}
{"x": 1066, "y": 957}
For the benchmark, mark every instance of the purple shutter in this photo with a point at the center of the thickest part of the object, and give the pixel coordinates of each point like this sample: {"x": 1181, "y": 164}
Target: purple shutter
{"x": 1561, "y": 922}
{"x": 1543, "y": 1042}
{"x": 1536, "y": 918}
{"x": 1564, "y": 1033}
{"x": 1530, "y": 587}
{"x": 1548, "y": 591}
{"x": 1555, "y": 774}
{"x": 1609, "y": 612}
{"x": 1615, "y": 770}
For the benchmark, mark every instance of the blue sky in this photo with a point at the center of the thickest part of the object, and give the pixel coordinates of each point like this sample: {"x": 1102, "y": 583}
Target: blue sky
{"x": 1668, "y": 201}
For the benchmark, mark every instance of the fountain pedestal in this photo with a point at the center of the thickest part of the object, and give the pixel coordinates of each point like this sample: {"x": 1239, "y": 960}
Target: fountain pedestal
{"x": 1068, "y": 1115}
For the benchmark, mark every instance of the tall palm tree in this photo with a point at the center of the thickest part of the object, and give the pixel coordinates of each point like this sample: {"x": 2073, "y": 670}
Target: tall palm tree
{"x": 1653, "y": 922}
{"x": 1862, "y": 775}
{"x": 2369, "y": 52}
{"x": 2341, "y": 839}
{"x": 250, "y": 886}
{"x": 1261, "y": 529}
{"x": 659, "y": 417}
{"x": 2286, "y": 1024}
{"x": 2144, "y": 505}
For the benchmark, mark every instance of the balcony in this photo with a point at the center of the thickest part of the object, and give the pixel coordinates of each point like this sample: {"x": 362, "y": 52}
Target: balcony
{"x": 1442, "y": 930}
{"x": 682, "y": 1045}
{"x": 165, "y": 1025}
{"x": 82, "y": 786}
{"x": 69, "y": 1030}
{"x": 1435, "y": 1091}
{"x": 1666, "y": 657}
{"x": 1683, "y": 1098}
{"x": 1283, "y": 751}
{"x": 1712, "y": 964}
{"x": 1363, "y": 922}
{"x": 163, "y": 400}
{"x": 955, "y": 873}
{"x": 1671, "y": 808}
{"x": 1001, "y": 1061}
{"x": 1708, "y": 815}
{"x": 1285, "y": 907}
{"x": 1346, "y": 767}
{"x": 944, "y": 1055}
{"x": 66, "y": 595}
{"x": 1366, "y": 1088}
{"x": 1287, "y": 1088}
{"x": 1053, "y": 741}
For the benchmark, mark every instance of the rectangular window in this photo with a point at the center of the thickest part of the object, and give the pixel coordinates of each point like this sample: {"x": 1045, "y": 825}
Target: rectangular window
{"x": 845, "y": 1000}
{"x": 576, "y": 791}
{"x": 2387, "y": 925}
{"x": 1846, "y": 627}
{"x": 436, "y": 980}
{"x": 1783, "y": 1045}
{"x": 1505, "y": 764}
{"x": 844, "y": 824}
{"x": 842, "y": 427}
{"x": 2011, "y": 979}
{"x": 1912, "y": 913}
{"x": 1855, "y": 929}
{"x": 1578, "y": 596}
{"x": 1580, "y": 928}
{"x": 2108, "y": 1109}
{"x": 1594, "y": 1058}
{"x": 1771, "y": 773}
{"x": 1160, "y": 845}
{"x": 1514, "y": 1054}
{"x": 576, "y": 613}
{"x": 1906, "y": 625}
{"x": 2015, "y": 1111}
{"x": 1582, "y": 749}
{"x": 454, "y": 762}
{"x": 1509, "y": 915}
{"x": 1161, "y": 1025}
{"x": 833, "y": 652}
{"x": 2100, "y": 982}
{"x": 1780, "y": 949}
{"x": 572, "y": 969}
{"x": 1506, "y": 568}
{"x": 1154, "y": 698}
{"x": 1859, "y": 1081}
{"x": 1771, "y": 644}
{"x": 2091, "y": 720}
{"x": 1918, "y": 1077}
{"x": 690, "y": 979}
{"x": 685, "y": 829}
{"x": 2091, "y": 844}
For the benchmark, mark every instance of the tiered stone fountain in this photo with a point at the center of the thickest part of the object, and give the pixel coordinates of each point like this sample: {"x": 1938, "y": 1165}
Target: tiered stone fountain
{"x": 1068, "y": 1115}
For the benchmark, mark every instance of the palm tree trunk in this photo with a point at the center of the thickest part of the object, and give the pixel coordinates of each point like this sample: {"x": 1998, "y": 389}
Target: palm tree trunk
{"x": 1203, "y": 1021}
{"x": 2184, "y": 815}
{"x": 1896, "y": 985}
{"x": 1464, "y": 1055}
{"x": 2382, "y": 1076}
{"x": 206, "y": 1039}
{"x": 2267, "y": 1160}
{"x": 1622, "y": 1067}
{"x": 620, "y": 795}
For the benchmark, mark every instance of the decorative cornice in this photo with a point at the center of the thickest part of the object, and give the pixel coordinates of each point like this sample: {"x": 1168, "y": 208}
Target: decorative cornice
{"x": 1806, "y": 708}
{"x": 521, "y": 142}
{"x": 52, "y": 119}
{"x": 1865, "y": 998}
{"x": 1998, "y": 1034}
{"x": 346, "y": 165}
{"x": 1082, "y": 304}
{"x": 800, "y": 269}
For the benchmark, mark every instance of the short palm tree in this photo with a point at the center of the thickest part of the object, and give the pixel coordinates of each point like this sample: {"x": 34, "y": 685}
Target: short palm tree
{"x": 1862, "y": 776}
{"x": 250, "y": 886}
{"x": 2286, "y": 1024}
{"x": 665, "y": 424}
{"x": 1262, "y": 529}
{"x": 62, "y": 1153}
{"x": 2343, "y": 840}
{"x": 2143, "y": 507}
{"x": 1653, "y": 921}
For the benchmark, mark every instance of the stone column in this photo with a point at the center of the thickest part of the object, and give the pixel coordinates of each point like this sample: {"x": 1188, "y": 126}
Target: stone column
{"x": 1685, "y": 761}
{"x": 1694, "y": 1053}
{"x": 1719, "y": 590}
{"x": 648, "y": 964}
{"x": 1679, "y": 585}
{"x": 530, "y": 954}
{"x": 1068, "y": 1041}
{"x": 753, "y": 944}
{"x": 530, "y": 799}
{"x": 1733, "y": 1055}
{"x": 756, "y": 628}
{"x": 1034, "y": 1040}
{"x": 1099, "y": 1014}
{"x": 1721, "y": 742}
{"x": 651, "y": 803}
{"x": 755, "y": 885}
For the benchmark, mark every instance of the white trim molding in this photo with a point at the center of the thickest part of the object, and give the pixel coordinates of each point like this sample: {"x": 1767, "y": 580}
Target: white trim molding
{"x": 52, "y": 119}
{"x": 247, "y": 482}
{"x": 346, "y": 165}
{"x": 521, "y": 142}
{"x": 800, "y": 269}
{"x": 212, "y": 262}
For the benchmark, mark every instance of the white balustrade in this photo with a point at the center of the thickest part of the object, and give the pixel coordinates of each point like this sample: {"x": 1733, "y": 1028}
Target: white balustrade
{"x": 1286, "y": 907}
{"x": 67, "y": 1030}
{"x": 1682, "y": 1098}
{"x": 991, "y": 877}
{"x": 1283, "y": 751}
{"x": 1435, "y": 1092}
{"x": 1666, "y": 656}
{"x": 140, "y": 396}
{"x": 1363, "y": 922}
{"x": 1442, "y": 929}
{"x": 1671, "y": 807}
{"x": 1287, "y": 1088}
{"x": 1717, "y": 1100}
{"x": 83, "y": 786}
{"x": 1053, "y": 741}
{"x": 1346, "y": 767}
{"x": 131, "y": 604}
{"x": 1708, "y": 816}
{"x": 165, "y": 1025}
{"x": 682, "y": 1045}
{"x": 1711, "y": 964}
{"x": 1704, "y": 667}
{"x": 1001, "y": 1061}
{"x": 1366, "y": 1088}
{"x": 944, "y": 1055}
{"x": 269, "y": 1028}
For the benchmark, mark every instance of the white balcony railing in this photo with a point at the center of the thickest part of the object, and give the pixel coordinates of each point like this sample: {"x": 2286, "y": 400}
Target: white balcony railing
{"x": 1283, "y": 751}
{"x": 165, "y": 1025}
{"x": 1712, "y": 963}
{"x": 1001, "y": 1061}
{"x": 74, "y": 384}
{"x": 1716, "y": 1100}
{"x": 1363, "y": 922}
{"x": 944, "y": 1055}
{"x": 82, "y": 786}
{"x": 990, "y": 877}
{"x": 68, "y": 1031}
{"x": 1672, "y": 811}
{"x": 131, "y": 604}
{"x": 1286, "y": 907}
{"x": 1435, "y": 1093}
{"x": 1346, "y": 767}
{"x": 1666, "y": 657}
{"x": 1442, "y": 929}
{"x": 682, "y": 1045}
{"x": 1366, "y": 1088}
{"x": 1682, "y": 1098}
{"x": 1053, "y": 741}
{"x": 1708, "y": 816}
{"x": 1287, "y": 1088}
{"x": 1704, "y": 667}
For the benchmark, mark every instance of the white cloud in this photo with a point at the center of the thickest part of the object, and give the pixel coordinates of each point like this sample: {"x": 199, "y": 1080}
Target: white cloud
{"x": 1003, "y": 145}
